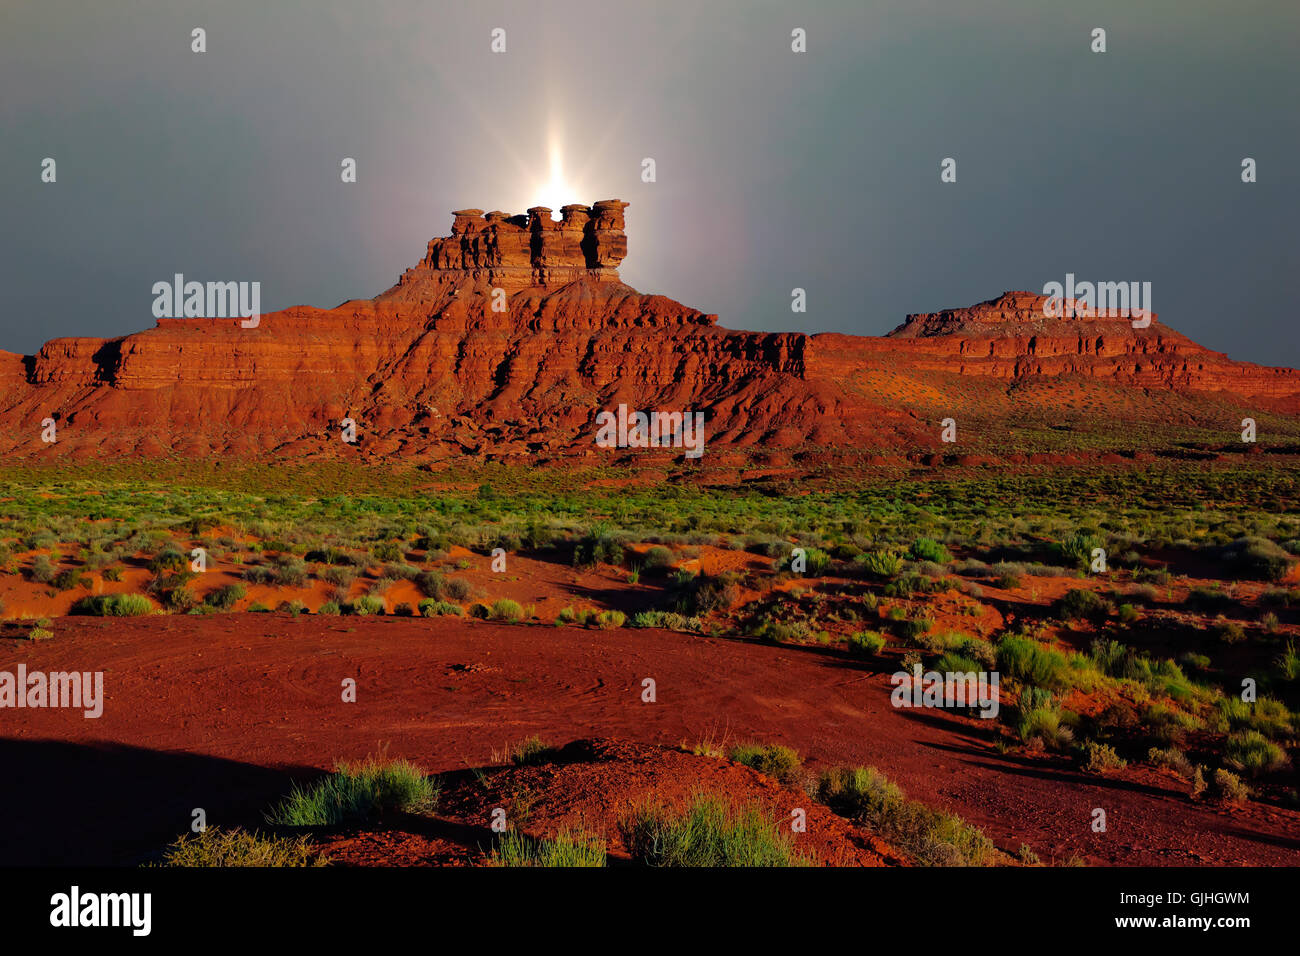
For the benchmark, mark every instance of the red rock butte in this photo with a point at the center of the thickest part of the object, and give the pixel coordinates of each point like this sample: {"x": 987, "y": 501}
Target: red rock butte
{"x": 511, "y": 334}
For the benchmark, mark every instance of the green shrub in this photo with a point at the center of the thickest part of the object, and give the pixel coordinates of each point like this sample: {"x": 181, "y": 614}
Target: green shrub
{"x": 880, "y": 564}
{"x": 224, "y": 597}
{"x": 1230, "y": 632}
{"x": 1024, "y": 659}
{"x": 457, "y": 589}
{"x": 1170, "y": 758}
{"x": 430, "y": 608}
{"x": 1256, "y": 558}
{"x": 866, "y": 644}
{"x": 507, "y": 610}
{"x": 430, "y": 583}
{"x": 712, "y": 832}
{"x": 114, "y": 605}
{"x": 1081, "y": 604}
{"x": 69, "y": 579}
{"x": 927, "y": 549}
{"x": 609, "y": 620}
{"x": 367, "y": 606}
{"x": 215, "y": 847}
{"x": 568, "y": 848}
{"x": 1228, "y": 788}
{"x": 1253, "y": 754}
{"x": 912, "y": 628}
{"x": 1096, "y": 757}
{"x": 168, "y": 560}
{"x": 1288, "y": 662}
{"x": 43, "y": 569}
{"x": 1044, "y": 726}
{"x": 357, "y": 792}
{"x": 815, "y": 560}
{"x": 658, "y": 558}
{"x": 386, "y": 551}
{"x": 1076, "y": 550}
{"x": 530, "y": 751}
{"x": 777, "y": 761}
{"x": 931, "y": 837}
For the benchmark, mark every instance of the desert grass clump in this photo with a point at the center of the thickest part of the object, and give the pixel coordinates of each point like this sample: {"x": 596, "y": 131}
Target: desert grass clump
{"x": 1227, "y": 788}
{"x": 215, "y": 847}
{"x": 358, "y": 791}
{"x": 43, "y": 569}
{"x": 927, "y": 549}
{"x": 1288, "y": 662}
{"x": 880, "y": 564}
{"x": 777, "y": 761}
{"x": 431, "y": 608}
{"x": 1256, "y": 558}
{"x": 69, "y": 579}
{"x": 528, "y": 752}
{"x": 367, "y": 606}
{"x": 506, "y": 610}
{"x": 430, "y": 583}
{"x": 1097, "y": 757}
{"x": 1043, "y": 726}
{"x": 114, "y": 605}
{"x": 1076, "y": 549}
{"x": 1170, "y": 758}
{"x": 866, "y": 644}
{"x": 457, "y": 589}
{"x": 225, "y": 597}
{"x": 712, "y": 832}
{"x": 931, "y": 837}
{"x": 1253, "y": 754}
{"x": 1026, "y": 660}
{"x": 1081, "y": 604}
{"x": 610, "y": 620}
{"x": 658, "y": 558}
{"x": 568, "y": 848}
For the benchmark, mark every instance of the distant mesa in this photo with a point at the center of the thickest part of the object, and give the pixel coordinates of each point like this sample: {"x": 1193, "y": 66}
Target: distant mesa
{"x": 513, "y": 332}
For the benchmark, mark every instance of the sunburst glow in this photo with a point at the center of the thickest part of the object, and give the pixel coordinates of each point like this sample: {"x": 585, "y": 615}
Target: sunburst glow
{"x": 557, "y": 191}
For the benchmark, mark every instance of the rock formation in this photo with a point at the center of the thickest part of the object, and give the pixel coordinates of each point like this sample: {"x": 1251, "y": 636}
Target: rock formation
{"x": 512, "y": 333}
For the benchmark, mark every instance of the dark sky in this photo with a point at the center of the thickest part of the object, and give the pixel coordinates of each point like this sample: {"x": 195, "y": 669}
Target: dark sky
{"x": 775, "y": 169}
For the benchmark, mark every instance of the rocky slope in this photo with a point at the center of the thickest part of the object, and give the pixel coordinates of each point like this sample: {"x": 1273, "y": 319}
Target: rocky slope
{"x": 512, "y": 334}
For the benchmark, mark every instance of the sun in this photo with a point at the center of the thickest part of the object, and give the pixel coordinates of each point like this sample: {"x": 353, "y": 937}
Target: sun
{"x": 557, "y": 192}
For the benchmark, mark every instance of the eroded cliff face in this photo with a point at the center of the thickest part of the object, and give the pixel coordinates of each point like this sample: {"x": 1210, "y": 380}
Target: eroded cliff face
{"x": 514, "y": 332}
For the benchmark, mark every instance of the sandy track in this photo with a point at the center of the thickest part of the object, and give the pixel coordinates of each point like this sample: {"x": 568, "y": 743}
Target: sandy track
{"x": 217, "y": 712}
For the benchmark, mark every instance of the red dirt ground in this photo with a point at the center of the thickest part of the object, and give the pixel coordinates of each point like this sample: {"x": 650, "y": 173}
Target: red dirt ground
{"x": 220, "y": 712}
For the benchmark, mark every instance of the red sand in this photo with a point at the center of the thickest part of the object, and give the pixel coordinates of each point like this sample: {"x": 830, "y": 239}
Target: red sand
{"x": 217, "y": 711}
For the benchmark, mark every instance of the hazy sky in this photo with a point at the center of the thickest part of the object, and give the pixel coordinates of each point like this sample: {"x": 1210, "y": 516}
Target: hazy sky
{"x": 774, "y": 169}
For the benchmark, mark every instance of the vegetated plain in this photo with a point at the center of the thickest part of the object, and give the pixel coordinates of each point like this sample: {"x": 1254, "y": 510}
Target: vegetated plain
{"x": 1129, "y": 670}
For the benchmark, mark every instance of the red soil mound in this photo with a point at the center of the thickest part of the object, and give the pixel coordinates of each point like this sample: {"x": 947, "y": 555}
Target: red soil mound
{"x": 590, "y": 786}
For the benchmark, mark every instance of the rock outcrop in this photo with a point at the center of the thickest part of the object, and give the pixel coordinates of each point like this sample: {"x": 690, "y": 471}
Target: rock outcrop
{"x": 512, "y": 334}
